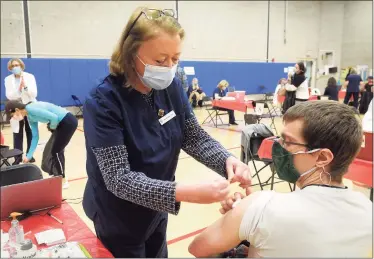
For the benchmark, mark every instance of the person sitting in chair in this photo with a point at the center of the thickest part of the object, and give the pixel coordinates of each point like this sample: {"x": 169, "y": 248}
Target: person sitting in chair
{"x": 323, "y": 219}
{"x": 196, "y": 93}
{"x": 219, "y": 92}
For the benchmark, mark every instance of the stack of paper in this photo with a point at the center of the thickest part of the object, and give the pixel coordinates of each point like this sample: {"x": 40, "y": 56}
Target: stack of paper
{"x": 51, "y": 237}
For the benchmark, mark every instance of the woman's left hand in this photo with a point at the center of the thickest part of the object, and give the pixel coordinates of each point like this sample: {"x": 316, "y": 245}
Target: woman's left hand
{"x": 25, "y": 160}
{"x": 237, "y": 171}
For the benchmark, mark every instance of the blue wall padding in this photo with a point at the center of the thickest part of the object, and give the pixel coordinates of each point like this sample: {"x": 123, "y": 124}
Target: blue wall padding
{"x": 57, "y": 79}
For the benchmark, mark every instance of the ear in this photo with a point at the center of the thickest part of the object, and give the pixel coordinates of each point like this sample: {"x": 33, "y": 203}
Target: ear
{"x": 16, "y": 110}
{"x": 324, "y": 158}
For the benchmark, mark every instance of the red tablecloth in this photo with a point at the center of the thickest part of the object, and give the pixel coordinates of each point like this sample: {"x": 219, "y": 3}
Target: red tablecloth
{"x": 359, "y": 171}
{"x": 74, "y": 228}
{"x": 281, "y": 98}
{"x": 233, "y": 105}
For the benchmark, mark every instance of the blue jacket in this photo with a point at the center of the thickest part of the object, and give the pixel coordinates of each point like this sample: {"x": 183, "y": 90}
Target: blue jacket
{"x": 42, "y": 112}
{"x": 353, "y": 83}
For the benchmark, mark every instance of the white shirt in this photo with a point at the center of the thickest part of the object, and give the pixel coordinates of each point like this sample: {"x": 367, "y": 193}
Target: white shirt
{"x": 302, "y": 92}
{"x": 313, "y": 222}
{"x": 367, "y": 121}
{"x": 27, "y": 94}
{"x": 275, "y": 98}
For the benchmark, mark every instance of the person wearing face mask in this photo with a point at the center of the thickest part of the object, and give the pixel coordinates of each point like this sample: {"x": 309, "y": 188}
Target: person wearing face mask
{"x": 196, "y": 93}
{"x": 136, "y": 121}
{"x": 321, "y": 219}
{"x": 61, "y": 122}
{"x": 220, "y": 92}
{"x": 20, "y": 86}
{"x": 297, "y": 90}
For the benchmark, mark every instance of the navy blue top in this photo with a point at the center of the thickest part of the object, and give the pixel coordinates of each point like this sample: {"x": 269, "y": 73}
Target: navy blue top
{"x": 132, "y": 158}
{"x": 353, "y": 83}
{"x": 332, "y": 92}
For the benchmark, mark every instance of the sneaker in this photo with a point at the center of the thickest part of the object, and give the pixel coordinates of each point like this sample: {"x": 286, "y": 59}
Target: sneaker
{"x": 32, "y": 160}
{"x": 65, "y": 184}
{"x": 234, "y": 123}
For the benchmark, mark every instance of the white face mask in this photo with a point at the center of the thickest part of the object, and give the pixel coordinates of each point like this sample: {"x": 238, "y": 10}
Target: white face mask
{"x": 157, "y": 77}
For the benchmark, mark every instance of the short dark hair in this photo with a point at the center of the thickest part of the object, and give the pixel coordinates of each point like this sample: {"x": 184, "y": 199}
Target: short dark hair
{"x": 331, "y": 125}
{"x": 370, "y": 77}
{"x": 11, "y": 106}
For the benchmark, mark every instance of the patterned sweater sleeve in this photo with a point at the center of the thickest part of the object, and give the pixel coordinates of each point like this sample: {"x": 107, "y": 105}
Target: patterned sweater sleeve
{"x": 201, "y": 146}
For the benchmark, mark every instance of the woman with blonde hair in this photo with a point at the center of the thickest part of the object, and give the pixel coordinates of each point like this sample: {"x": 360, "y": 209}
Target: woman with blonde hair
{"x": 20, "y": 86}
{"x": 220, "y": 92}
{"x": 136, "y": 121}
{"x": 196, "y": 93}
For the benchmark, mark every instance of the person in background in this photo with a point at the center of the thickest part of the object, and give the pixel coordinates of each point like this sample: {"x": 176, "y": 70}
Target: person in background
{"x": 352, "y": 84}
{"x": 61, "y": 122}
{"x": 323, "y": 219}
{"x": 367, "y": 121}
{"x": 136, "y": 122}
{"x": 281, "y": 85}
{"x": 196, "y": 93}
{"x": 220, "y": 92}
{"x": 332, "y": 90}
{"x": 21, "y": 86}
{"x": 297, "y": 90}
{"x": 366, "y": 95}
{"x": 182, "y": 77}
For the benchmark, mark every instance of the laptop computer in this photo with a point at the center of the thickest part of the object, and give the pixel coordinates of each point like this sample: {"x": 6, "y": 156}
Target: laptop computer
{"x": 366, "y": 151}
{"x": 31, "y": 196}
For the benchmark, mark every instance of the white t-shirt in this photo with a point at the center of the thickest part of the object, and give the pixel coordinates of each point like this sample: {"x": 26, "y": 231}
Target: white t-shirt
{"x": 313, "y": 222}
{"x": 367, "y": 121}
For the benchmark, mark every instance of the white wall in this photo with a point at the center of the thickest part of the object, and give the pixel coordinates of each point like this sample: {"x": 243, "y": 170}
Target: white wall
{"x": 219, "y": 30}
{"x": 12, "y": 27}
{"x": 224, "y": 30}
{"x": 357, "y": 44}
{"x": 79, "y": 28}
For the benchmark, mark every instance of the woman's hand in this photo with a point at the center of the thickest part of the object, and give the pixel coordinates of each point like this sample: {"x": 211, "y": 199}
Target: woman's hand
{"x": 237, "y": 171}
{"x": 25, "y": 160}
{"x": 203, "y": 193}
{"x": 230, "y": 201}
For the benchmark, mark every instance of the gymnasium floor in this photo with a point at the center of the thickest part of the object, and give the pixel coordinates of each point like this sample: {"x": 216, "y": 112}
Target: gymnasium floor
{"x": 192, "y": 218}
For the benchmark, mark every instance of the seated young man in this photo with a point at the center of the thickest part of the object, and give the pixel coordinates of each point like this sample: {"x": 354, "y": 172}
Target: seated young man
{"x": 323, "y": 219}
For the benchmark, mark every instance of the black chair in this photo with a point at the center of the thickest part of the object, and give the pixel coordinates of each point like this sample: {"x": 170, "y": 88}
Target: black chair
{"x": 214, "y": 113}
{"x": 20, "y": 174}
{"x": 6, "y": 154}
{"x": 78, "y": 104}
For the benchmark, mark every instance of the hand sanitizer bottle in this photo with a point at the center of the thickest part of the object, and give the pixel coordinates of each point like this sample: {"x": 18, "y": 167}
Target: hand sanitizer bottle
{"x": 16, "y": 235}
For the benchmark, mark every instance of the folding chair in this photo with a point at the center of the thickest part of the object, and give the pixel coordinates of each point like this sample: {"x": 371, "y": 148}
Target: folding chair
{"x": 79, "y": 105}
{"x": 20, "y": 174}
{"x": 271, "y": 114}
{"x": 213, "y": 114}
{"x": 3, "y": 118}
{"x": 250, "y": 153}
{"x": 6, "y": 154}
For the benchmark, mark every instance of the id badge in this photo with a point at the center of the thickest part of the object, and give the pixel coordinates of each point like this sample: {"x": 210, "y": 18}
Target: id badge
{"x": 167, "y": 117}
